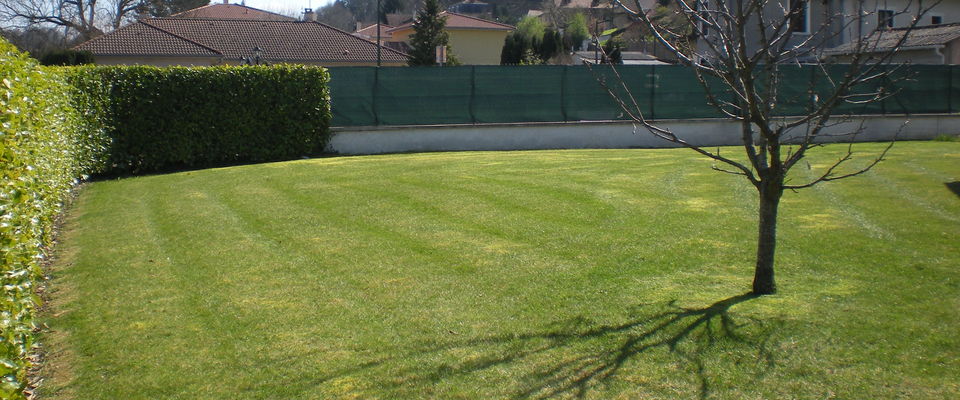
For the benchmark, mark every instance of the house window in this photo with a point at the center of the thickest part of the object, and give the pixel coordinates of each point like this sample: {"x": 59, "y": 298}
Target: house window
{"x": 936, "y": 19}
{"x": 799, "y": 14}
{"x": 884, "y": 18}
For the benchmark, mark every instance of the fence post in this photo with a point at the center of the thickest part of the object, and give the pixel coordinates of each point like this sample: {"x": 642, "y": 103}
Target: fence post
{"x": 376, "y": 83}
{"x": 950, "y": 89}
{"x": 885, "y": 80}
{"x": 653, "y": 91}
{"x": 813, "y": 94}
{"x": 473, "y": 92}
{"x": 563, "y": 91}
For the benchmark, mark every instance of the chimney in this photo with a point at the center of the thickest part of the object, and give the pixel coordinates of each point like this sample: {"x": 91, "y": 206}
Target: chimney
{"x": 309, "y": 15}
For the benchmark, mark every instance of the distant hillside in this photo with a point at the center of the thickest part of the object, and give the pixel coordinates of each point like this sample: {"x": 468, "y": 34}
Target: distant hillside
{"x": 345, "y": 14}
{"x": 509, "y": 11}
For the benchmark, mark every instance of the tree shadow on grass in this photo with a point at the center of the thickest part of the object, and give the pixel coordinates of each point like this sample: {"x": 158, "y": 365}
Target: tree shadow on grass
{"x": 576, "y": 357}
{"x": 954, "y": 187}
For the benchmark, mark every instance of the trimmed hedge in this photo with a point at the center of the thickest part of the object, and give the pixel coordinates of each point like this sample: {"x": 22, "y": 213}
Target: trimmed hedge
{"x": 67, "y": 57}
{"x": 171, "y": 118}
{"x": 60, "y": 124}
{"x": 41, "y": 155}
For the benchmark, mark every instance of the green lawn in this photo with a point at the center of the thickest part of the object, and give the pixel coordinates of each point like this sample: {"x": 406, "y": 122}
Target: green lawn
{"x": 539, "y": 274}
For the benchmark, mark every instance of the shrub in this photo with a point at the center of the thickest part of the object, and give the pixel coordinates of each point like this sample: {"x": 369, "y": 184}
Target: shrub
{"x": 67, "y": 57}
{"x": 42, "y": 151}
{"x": 168, "y": 118}
{"x": 60, "y": 124}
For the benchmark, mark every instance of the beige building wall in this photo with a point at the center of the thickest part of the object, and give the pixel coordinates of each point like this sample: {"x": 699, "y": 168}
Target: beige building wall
{"x": 947, "y": 10}
{"x": 400, "y": 36}
{"x": 952, "y": 52}
{"x": 848, "y": 20}
{"x": 478, "y": 47}
{"x": 471, "y": 46}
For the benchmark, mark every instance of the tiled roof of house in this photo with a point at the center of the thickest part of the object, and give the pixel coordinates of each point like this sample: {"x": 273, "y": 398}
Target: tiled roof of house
{"x": 921, "y": 36}
{"x": 232, "y": 11}
{"x": 140, "y": 39}
{"x": 280, "y": 41}
{"x": 459, "y": 21}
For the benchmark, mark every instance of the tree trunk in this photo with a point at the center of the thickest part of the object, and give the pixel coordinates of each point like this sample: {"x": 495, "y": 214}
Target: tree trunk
{"x": 763, "y": 282}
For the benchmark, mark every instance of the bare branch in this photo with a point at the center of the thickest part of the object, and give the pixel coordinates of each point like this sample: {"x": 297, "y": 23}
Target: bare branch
{"x": 86, "y": 18}
{"x": 636, "y": 114}
{"x": 831, "y": 175}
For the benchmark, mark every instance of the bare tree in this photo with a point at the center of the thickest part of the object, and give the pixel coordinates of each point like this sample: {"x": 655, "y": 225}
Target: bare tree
{"x": 337, "y": 15}
{"x": 739, "y": 50}
{"x": 37, "y": 40}
{"x": 84, "y": 18}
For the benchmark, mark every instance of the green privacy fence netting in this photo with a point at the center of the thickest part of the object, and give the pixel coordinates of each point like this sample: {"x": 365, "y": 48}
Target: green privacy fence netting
{"x": 370, "y": 96}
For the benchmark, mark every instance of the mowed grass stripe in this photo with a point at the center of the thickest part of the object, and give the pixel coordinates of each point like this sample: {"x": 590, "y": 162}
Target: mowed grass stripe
{"x": 120, "y": 288}
{"x": 601, "y": 273}
{"x": 241, "y": 301}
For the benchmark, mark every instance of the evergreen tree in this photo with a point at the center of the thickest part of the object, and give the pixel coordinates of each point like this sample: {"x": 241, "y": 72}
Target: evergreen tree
{"x": 512, "y": 51}
{"x": 531, "y": 28}
{"x": 577, "y": 31}
{"x": 525, "y": 45}
{"x": 551, "y": 46}
{"x": 428, "y": 33}
{"x": 612, "y": 49}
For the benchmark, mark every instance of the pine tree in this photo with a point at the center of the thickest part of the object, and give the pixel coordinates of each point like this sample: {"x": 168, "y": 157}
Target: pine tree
{"x": 612, "y": 49}
{"x": 551, "y": 46}
{"x": 429, "y": 32}
{"x": 577, "y": 31}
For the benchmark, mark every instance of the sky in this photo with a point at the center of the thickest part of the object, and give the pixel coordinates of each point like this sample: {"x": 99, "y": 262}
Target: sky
{"x": 281, "y": 6}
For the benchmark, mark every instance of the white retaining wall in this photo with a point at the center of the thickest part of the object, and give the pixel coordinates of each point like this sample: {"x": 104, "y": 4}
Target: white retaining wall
{"x": 608, "y": 135}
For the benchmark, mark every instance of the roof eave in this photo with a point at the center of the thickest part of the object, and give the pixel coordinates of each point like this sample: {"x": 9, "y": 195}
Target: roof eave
{"x": 885, "y": 49}
{"x": 154, "y": 55}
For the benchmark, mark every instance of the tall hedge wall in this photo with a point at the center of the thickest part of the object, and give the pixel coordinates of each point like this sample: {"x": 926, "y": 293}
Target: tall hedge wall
{"x": 41, "y": 155}
{"x": 60, "y": 124}
{"x": 167, "y": 118}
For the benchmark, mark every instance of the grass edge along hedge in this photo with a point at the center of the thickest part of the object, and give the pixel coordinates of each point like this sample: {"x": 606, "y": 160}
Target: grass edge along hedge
{"x": 59, "y": 125}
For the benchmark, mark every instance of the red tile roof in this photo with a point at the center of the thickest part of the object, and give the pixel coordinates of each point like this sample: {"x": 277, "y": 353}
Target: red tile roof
{"x": 459, "y": 21}
{"x": 140, "y": 39}
{"x": 232, "y": 11}
{"x": 280, "y": 41}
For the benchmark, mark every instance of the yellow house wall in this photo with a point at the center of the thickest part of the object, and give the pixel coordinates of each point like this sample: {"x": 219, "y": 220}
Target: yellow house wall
{"x": 471, "y": 46}
{"x": 400, "y": 36}
{"x": 477, "y": 47}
